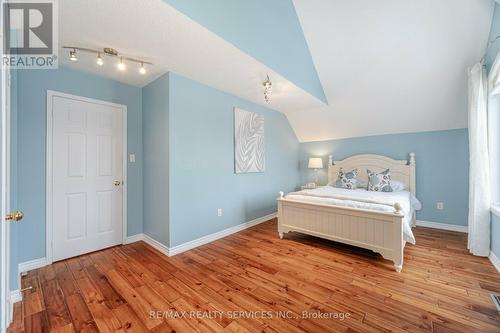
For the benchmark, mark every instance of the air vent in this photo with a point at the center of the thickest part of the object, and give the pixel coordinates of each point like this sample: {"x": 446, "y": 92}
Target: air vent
{"x": 496, "y": 300}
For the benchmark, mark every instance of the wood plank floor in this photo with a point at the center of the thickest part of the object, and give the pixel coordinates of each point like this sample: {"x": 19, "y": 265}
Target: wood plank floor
{"x": 254, "y": 282}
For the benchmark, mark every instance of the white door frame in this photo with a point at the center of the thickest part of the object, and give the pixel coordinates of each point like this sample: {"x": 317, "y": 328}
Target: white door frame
{"x": 49, "y": 192}
{"x": 5, "y": 299}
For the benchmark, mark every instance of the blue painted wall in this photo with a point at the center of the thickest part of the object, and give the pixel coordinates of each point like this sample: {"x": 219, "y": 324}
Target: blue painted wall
{"x": 31, "y": 138}
{"x": 442, "y": 166}
{"x": 269, "y": 31}
{"x": 202, "y": 177}
{"x": 494, "y": 32}
{"x": 155, "y": 104}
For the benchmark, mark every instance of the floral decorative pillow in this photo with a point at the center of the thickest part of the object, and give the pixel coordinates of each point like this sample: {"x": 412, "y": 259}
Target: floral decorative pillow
{"x": 379, "y": 182}
{"x": 347, "y": 179}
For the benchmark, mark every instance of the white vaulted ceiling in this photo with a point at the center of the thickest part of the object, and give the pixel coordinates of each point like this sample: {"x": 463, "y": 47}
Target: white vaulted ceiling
{"x": 390, "y": 66}
{"x": 386, "y": 66}
{"x": 154, "y": 31}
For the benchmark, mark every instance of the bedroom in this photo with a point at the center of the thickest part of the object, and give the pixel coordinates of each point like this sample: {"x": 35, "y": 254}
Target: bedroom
{"x": 217, "y": 166}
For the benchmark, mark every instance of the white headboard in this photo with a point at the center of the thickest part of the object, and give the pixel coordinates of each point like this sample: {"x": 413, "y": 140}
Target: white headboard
{"x": 401, "y": 170}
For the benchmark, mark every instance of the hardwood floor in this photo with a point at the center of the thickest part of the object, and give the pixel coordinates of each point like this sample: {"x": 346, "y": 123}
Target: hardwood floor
{"x": 254, "y": 282}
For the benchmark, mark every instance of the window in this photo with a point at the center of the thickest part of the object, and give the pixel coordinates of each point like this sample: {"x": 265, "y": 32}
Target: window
{"x": 494, "y": 142}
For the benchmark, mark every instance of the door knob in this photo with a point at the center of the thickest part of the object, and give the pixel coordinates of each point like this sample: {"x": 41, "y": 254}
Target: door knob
{"x": 117, "y": 183}
{"x": 14, "y": 216}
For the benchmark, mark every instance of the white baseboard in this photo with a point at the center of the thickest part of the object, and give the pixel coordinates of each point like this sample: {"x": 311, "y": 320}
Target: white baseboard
{"x": 23, "y": 267}
{"x": 495, "y": 261}
{"x": 16, "y": 296}
{"x": 217, "y": 235}
{"x": 134, "y": 238}
{"x": 443, "y": 226}
{"x": 31, "y": 265}
{"x": 156, "y": 244}
{"x": 196, "y": 242}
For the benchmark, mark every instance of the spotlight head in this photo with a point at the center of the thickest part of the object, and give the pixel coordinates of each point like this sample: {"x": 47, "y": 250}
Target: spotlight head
{"x": 142, "y": 69}
{"x": 72, "y": 55}
{"x": 121, "y": 65}
{"x": 99, "y": 60}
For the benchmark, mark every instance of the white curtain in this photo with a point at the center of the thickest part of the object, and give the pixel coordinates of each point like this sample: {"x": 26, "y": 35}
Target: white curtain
{"x": 479, "y": 171}
{"x": 494, "y": 129}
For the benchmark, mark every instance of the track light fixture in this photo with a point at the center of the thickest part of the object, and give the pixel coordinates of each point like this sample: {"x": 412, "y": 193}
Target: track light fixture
{"x": 99, "y": 59}
{"x": 268, "y": 89}
{"x": 142, "y": 69}
{"x": 72, "y": 55}
{"x": 121, "y": 65}
{"x": 110, "y": 52}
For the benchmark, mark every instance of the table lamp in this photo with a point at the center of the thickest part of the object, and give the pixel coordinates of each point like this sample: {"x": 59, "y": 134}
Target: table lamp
{"x": 315, "y": 163}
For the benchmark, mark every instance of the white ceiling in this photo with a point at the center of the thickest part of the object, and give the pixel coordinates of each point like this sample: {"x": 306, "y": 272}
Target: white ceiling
{"x": 390, "y": 66}
{"x": 386, "y": 66}
{"x": 156, "y": 32}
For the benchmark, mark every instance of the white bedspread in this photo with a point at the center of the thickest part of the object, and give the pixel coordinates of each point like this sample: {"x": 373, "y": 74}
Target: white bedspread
{"x": 363, "y": 199}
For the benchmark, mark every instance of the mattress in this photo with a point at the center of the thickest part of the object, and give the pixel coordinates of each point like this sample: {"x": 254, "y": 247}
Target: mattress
{"x": 363, "y": 199}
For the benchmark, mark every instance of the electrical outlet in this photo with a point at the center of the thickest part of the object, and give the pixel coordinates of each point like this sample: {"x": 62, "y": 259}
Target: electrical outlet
{"x": 219, "y": 212}
{"x": 132, "y": 158}
{"x": 440, "y": 205}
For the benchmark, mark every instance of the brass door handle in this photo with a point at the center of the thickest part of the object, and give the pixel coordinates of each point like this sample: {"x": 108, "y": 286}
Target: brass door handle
{"x": 117, "y": 183}
{"x": 14, "y": 216}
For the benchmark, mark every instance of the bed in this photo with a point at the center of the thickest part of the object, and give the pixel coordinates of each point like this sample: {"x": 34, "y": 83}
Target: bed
{"x": 380, "y": 222}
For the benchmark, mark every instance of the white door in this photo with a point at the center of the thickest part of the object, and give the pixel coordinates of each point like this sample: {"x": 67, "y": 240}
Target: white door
{"x": 87, "y": 176}
{"x": 6, "y": 216}
{"x": 5, "y": 306}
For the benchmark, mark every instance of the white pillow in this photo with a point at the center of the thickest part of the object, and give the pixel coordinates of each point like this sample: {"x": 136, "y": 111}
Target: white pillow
{"x": 397, "y": 185}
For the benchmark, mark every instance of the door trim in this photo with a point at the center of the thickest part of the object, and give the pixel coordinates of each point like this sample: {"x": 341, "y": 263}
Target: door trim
{"x": 49, "y": 191}
{"x": 5, "y": 301}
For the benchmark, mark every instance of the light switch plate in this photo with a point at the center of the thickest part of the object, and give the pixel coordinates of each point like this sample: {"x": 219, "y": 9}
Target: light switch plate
{"x": 132, "y": 158}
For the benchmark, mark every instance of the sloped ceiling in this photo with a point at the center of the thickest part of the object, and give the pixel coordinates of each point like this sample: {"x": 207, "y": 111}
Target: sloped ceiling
{"x": 385, "y": 66}
{"x": 157, "y": 32}
{"x": 269, "y": 31}
{"x": 390, "y": 66}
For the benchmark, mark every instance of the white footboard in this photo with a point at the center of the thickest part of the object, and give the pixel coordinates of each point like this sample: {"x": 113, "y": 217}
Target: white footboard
{"x": 381, "y": 232}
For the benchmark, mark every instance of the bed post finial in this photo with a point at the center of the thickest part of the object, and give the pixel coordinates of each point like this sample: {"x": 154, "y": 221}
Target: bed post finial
{"x": 330, "y": 160}
{"x": 398, "y": 208}
{"x": 412, "y": 158}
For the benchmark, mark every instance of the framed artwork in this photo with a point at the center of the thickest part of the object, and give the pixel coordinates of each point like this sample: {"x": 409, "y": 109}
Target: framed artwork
{"x": 249, "y": 152}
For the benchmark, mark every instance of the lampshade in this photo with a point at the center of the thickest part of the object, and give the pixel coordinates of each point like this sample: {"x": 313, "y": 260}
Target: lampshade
{"x": 315, "y": 163}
